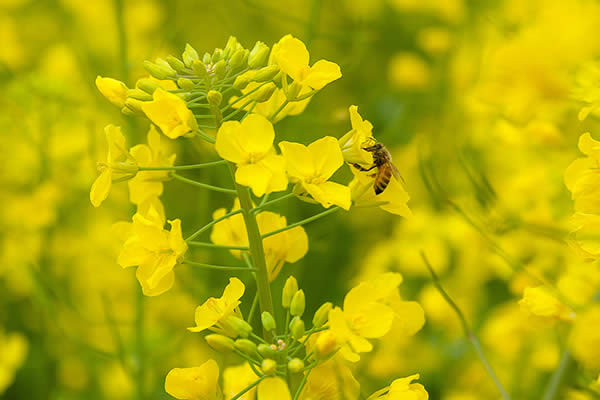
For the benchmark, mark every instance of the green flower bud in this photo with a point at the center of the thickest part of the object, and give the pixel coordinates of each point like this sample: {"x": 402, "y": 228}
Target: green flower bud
{"x": 289, "y": 290}
{"x": 293, "y": 91}
{"x": 217, "y": 55}
{"x": 266, "y": 73}
{"x": 214, "y": 98}
{"x": 258, "y": 55}
{"x": 239, "y": 326}
{"x": 185, "y": 83}
{"x": 298, "y": 304}
{"x": 200, "y": 69}
{"x": 238, "y": 58}
{"x": 139, "y": 94}
{"x": 127, "y": 111}
{"x": 264, "y": 93}
{"x": 159, "y": 71}
{"x": 268, "y": 322}
{"x": 220, "y": 343}
{"x": 322, "y": 315}
{"x": 245, "y": 346}
{"x": 189, "y": 55}
{"x": 176, "y": 64}
{"x": 295, "y": 365}
{"x": 220, "y": 69}
{"x": 207, "y": 59}
{"x": 269, "y": 366}
{"x": 266, "y": 350}
{"x": 297, "y": 328}
{"x": 241, "y": 81}
{"x": 231, "y": 47}
{"x": 147, "y": 85}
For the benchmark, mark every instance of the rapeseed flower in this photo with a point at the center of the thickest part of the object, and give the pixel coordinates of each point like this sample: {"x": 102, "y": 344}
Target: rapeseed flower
{"x": 584, "y": 341}
{"x": 402, "y": 389}
{"x": 197, "y": 383}
{"x": 170, "y": 113}
{"x": 582, "y": 177}
{"x": 539, "y": 301}
{"x": 273, "y": 388}
{"x": 115, "y": 91}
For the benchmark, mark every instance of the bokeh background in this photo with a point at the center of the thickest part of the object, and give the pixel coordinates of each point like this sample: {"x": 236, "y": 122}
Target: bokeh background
{"x": 475, "y": 99}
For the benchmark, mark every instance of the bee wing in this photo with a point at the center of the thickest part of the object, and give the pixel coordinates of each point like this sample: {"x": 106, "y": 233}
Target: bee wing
{"x": 396, "y": 173}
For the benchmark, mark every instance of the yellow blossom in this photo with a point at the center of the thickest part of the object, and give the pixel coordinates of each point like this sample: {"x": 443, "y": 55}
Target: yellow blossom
{"x": 292, "y": 57}
{"x": 311, "y": 166}
{"x": 402, "y": 389}
{"x": 170, "y": 113}
{"x": 269, "y": 107}
{"x": 197, "y": 383}
{"x": 212, "y": 314}
{"x": 393, "y": 199}
{"x": 331, "y": 380}
{"x": 584, "y": 341}
{"x": 236, "y": 379}
{"x": 249, "y": 145}
{"x": 587, "y": 89}
{"x": 538, "y": 301}
{"x": 582, "y": 177}
{"x": 119, "y": 165}
{"x": 584, "y": 236}
{"x": 353, "y": 142}
{"x": 273, "y": 388}
{"x": 115, "y": 91}
{"x": 153, "y": 249}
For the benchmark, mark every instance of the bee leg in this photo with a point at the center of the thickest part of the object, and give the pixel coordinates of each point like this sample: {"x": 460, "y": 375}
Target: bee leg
{"x": 361, "y": 168}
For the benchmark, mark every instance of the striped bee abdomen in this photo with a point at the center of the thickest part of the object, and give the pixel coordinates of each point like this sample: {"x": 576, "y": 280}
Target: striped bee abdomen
{"x": 384, "y": 174}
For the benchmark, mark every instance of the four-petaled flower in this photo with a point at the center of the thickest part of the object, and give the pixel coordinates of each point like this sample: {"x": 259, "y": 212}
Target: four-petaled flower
{"x": 170, "y": 113}
{"x": 197, "y": 383}
{"x": 402, "y": 389}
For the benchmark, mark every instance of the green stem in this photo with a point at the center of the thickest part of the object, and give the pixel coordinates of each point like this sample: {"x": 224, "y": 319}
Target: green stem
{"x": 468, "y": 332}
{"x": 303, "y": 222}
{"x": 557, "y": 376}
{"x": 253, "y": 308}
{"x": 303, "y": 382}
{"x": 250, "y": 386}
{"x": 211, "y": 223}
{"x": 281, "y": 107}
{"x": 268, "y": 203}
{"x": 241, "y": 98}
{"x": 183, "y": 167}
{"x": 217, "y": 246}
{"x": 219, "y": 267}
{"x": 202, "y": 185}
{"x": 239, "y": 110}
{"x": 257, "y": 251}
{"x": 139, "y": 339}
{"x": 206, "y": 136}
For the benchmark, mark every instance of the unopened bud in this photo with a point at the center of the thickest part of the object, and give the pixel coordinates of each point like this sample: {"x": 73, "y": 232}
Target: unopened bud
{"x": 241, "y": 81}
{"x": 293, "y": 91}
{"x": 269, "y": 366}
{"x": 220, "y": 69}
{"x": 298, "y": 304}
{"x": 147, "y": 85}
{"x": 322, "y": 315}
{"x": 268, "y": 322}
{"x": 238, "y": 59}
{"x": 297, "y": 328}
{"x": 159, "y": 71}
{"x": 207, "y": 59}
{"x": 200, "y": 69}
{"x": 295, "y": 365}
{"x": 246, "y": 346}
{"x": 239, "y": 326}
{"x": 264, "y": 93}
{"x": 214, "y": 98}
{"x": 189, "y": 56}
{"x": 139, "y": 94}
{"x": 258, "y": 55}
{"x": 266, "y": 350}
{"x": 176, "y": 64}
{"x": 266, "y": 74}
{"x": 134, "y": 105}
{"x": 217, "y": 55}
{"x": 185, "y": 83}
{"x": 220, "y": 342}
{"x": 231, "y": 47}
{"x": 326, "y": 344}
{"x": 289, "y": 290}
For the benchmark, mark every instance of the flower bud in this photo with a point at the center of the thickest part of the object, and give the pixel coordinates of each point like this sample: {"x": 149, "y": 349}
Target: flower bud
{"x": 185, "y": 83}
{"x": 293, "y": 91}
{"x": 266, "y": 74}
{"x": 147, "y": 85}
{"x": 264, "y": 93}
{"x": 231, "y": 47}
{"x": 241, "y": 81}
{"x": 115, "y": 91}
{"x": 214, "y": 98}
{"x": 258, "y": 55}
{"x": 134, "y": 105}
{"x": 207, "y": 59}
{"x": 159, "y": 71}
{"x": 220, "y": 69}
{"x": 266, "y": 350}
{"x": 200, "y": 69}
{"x": 298, "y": 304}
{"x": 289, "y": 290}
{"x": 139, "y": 94}
{"x": 220, "y": 343}
{"x": 176, "y": 64}
{"x": 189, "y": 55}
{"x": 295, "y": 365}
{"x": 246, "y": 346}
{"x": 239, "y": 326}
{"x": 238, "y": 59}
{"x": 217, "y": 55}
{"x": 326, "y": 344}
{"x": 297, "y": 328}
{"x": 269, "y": 366}
{"x": 322, "y": 315}
{"x": 268, "y": 322}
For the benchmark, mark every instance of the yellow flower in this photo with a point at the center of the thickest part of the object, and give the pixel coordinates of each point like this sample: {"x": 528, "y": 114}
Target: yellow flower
{"x": 148, "y": 184}
{"x": 393, "y": 199}
{"x": 584, "y": 237}
{"x": 249, "y": 145}
{"x": 13, "y": 350}
{"x": 292, "y": 57}
{"x": 584, "y": 341}
{"x": 153, "y": 249}
{"x": 538, "y": 301}
{"x": 402, "y": 389}
{"x": 331, "y": 380}
{"x": 582, "y": 177}
{"x": 587, "y": 89}
{"x": 311, "y": 166}
{"x": 288, "y": 246}
{"x": 115, "y": 91}
{"x": 273, "y": 388}
{"x": 235, "y": 379}
{"x": 269, "y": 107}
{"x": 197, "y": 383}
{"x": 170, "y": 113}
{"x": 352, "y": 143}
{"x": 119, "y": 165}
{"x": 213, "y": 313}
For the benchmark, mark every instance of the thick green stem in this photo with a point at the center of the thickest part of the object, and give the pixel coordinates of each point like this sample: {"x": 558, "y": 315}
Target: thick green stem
{"x": 257, "y": 251}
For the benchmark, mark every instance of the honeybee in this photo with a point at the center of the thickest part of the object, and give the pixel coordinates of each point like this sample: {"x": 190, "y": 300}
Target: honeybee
{"x": 382, "y": 160}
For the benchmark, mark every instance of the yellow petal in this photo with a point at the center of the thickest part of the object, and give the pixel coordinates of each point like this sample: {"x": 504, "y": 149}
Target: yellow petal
{"x": 227, "y": 145}
{"x": 329, "y": 193}
{"x": 409, "y": 318}
{"x": 101, "y": 187}
{"x": 194, "y": 383}
{"x": 327, "y": 156}
{"x": 164, "y": 283}
{"x": 176, "y": 242}
{"x": 299, "y": 244}
{"x": 374, "y": 320}
{"x": 257, "y": 134}
{"x": 299, "y": 160}
{"x": 256, "y": 176}
{"x": 292, "y": 57}
{"x": 273, "y": 388}
{"x": 115, "y": 91}
{"x": 322, "y": 73}
{"x": 233, "y": 291}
